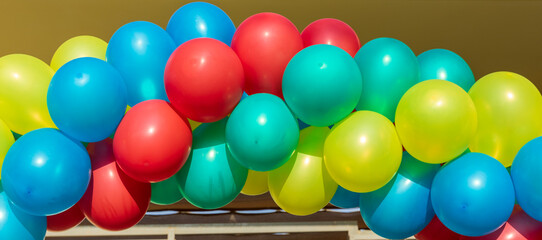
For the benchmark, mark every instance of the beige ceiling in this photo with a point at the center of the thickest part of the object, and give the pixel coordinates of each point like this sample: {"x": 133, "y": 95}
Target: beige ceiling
{"x": 490, "y": 35}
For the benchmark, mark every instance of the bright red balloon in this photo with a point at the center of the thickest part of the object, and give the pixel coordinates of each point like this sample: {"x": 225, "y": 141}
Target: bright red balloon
{"x": 65, "y": 220}
{"x": 435, "y": 230}
{"x": 152, "y": 141}
{"x": 333, "y": 32}
{"x": 113, "y": 201}
{"x": 204, "y": 79}
{"x": 265, "y": 43}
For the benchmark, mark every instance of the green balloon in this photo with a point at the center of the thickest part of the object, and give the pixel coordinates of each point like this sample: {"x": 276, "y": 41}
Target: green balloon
{"x": 166, "y": 192}
{"x": 211, "y": 177}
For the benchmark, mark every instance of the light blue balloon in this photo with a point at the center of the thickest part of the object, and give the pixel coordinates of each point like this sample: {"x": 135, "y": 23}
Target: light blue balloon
{"x": 45, "y": 172}
{"x": 402, "y": 207}
{"x": 200, "y": 19}
{"x": 140, "y": 51}
{"x": 16, "y": 224}
{"x": 261, "y": 132}
{"x": 527, "y": 176}
{"x": 345, "y": 199}
{"x": 473, "y": 195}
{"x": 321, "y": 85}
{"x": 87, "y": 99}
{"x": 445, "y": 65}
{"x": 388, "y": 68}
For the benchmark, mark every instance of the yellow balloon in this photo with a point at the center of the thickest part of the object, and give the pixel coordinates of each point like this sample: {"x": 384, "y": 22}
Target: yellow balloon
{"x": 509, "y": 115}
{"x": 362, "y": 152}
{"x": 302, "y": 186}
{"x": 256, "y": 183}
{"x": 436, "y": 120}
{"x": 24, "y": 81}
{"x": 6, "y": 140}
{"x": 78, "y": 47}
{"x": 193, "y": 124}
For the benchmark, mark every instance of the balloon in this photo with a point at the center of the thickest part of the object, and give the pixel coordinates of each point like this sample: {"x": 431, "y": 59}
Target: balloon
{"x": 509, "y": 115}
{"x": 204, "y": 80}
{"x": 113, "y": 201}
{"x": 345, "y": 199}
{"x": 45, "y": 172}
{"x": 436, "y": 230}
{"x": 435, "y": 120}
{"x": 525, "y": 172}
{"x": 402, "y": 208}
{"x": 302, "y": 186}
{"x": 65, "y": 220}
{"x": 6, "y": 140}
{"x": 261, "y": 132}
{"x": 211, "y": 178}
{"x": 78, "y": 47}
{"x": 473, "y": 195}
{"x": 363, "y": 152}
{"x": 87, "y": 99}
{"x": 265, "y": 43}
{"x": 333, "y": 32}
{"x": 152, "y": 142}
{"x": 388, "y": 68}
{"x": 200, "y": 19}
{"x": 445, "y": 65}
{"x": 166, "y": 192}
{"x": 312, "y": 89}
{"x": 139, "y": 51}
{"x": 16, "y": 224}
{"x": 256, "y": 183}
{"x": 24, "y": 75}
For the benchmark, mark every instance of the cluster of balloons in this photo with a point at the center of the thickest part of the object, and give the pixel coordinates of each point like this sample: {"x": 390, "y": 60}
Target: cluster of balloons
{"x": 205, "y": 111}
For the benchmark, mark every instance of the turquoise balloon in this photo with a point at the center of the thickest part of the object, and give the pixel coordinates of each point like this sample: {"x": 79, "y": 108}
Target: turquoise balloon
{"x": 211, "y": 178}
{"x": 445, "y": 65}
{"x": 166, "y": 192}
{"x": 261, "y": 132}
{"x": 322, "y": 85}
{"x": 402, "y": 207}
{"x": 345, "y": 199}
{"x": 16, "y": 224}
{"x": 389, "y": 68}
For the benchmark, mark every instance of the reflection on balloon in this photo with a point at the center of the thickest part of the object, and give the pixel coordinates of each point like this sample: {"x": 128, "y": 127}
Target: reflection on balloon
{"x": 445, "y": 65}
{"x": 16, "y": 224}
{"x": 78, "y": 47}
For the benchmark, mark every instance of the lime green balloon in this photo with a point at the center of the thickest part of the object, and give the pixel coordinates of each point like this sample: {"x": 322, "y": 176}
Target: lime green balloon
{"x": 436, "y": 120}
{"x": 24, "y": 81}
{"x": 6, "y": 140}
{"x": 302, "y": 185}
{"x": 166, "y": 192}
{"x": 256, "y": 183}
{"x": 509, "y": 110}
{"x": 362, "y": 152}
{"x": 78, "y": 47}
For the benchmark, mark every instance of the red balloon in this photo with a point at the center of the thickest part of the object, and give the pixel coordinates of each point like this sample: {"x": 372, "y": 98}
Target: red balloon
{"x": 204, "y": 79}
{"x": 333, "y": 32}
{"x": 435, "y": 230}
{"x": 113, "y": 201}
{"x": 152, "y": 141}
{"x": 265, "y": 43}
{"x": 65, "y": 220}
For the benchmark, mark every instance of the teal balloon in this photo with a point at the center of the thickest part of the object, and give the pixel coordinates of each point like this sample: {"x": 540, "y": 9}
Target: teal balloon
{"x": 16, "y": 224}
{"x": 261, "y": 132}
{"x": 166, "y": 192}
{"x": 402, "y": 207}
{"x": 445, "y": 65}
{"x": 322, "y": 85}
{"x": 211, "y": 178}
{"x": 389, "y": 68}
{"x": 525, "y": 171}
{"x": 345, "y": 199}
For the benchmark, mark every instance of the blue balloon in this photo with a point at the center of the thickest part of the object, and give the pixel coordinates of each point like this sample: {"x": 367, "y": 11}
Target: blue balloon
{"x": 45, "y": 172}
{"x": 16, "y": 224}
{"x": 388, "y": 68}
{"x": 473, "y": 195}
{"x": 140, "y": 51}
{"x": 302, "y": 125}
{"x": 345, "y": 199}
{"x": 527, "y": 177}
{"x": 261, "y": 132}
{"x": 87, "y": 99}
{"x": 402, "y": 207}
{"x": 445, "y": 65}
{"x": 200, "y": 19}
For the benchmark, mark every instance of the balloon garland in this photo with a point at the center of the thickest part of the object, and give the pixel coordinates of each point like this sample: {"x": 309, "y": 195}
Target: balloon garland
{"x": 205, "y": 111}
